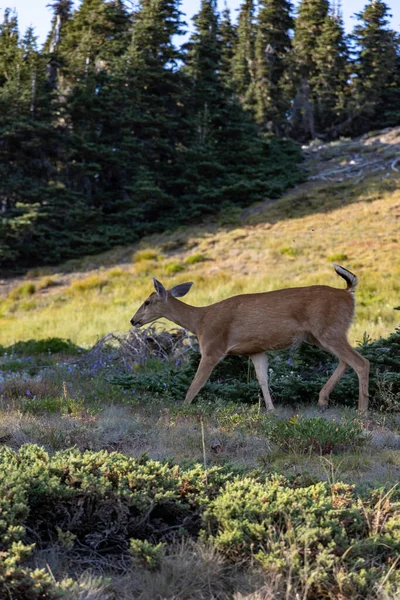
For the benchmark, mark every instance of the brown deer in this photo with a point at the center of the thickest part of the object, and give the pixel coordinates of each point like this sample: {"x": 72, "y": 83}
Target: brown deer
{"x": 251, "y": 324}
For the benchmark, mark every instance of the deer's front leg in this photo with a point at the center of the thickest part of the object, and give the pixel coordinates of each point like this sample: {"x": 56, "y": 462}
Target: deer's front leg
{"x": 207, "y": 363}
{"x": 260, "y": 363}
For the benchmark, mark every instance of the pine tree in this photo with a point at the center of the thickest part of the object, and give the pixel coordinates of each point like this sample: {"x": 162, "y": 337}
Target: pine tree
{"x": 228, "y": 39}
{"x": 153, "y": 109}
{"x": 202, "y": 64}
{"x": 376, "y": 76}
{"x": 92, "y": 39}
{"x": 244, "y": 56}
{"x": 62, "y": 14}
{"x": 227, "y": 162}
{"x": 329, "y": 82}
{"x": 28, "y": 153}
{"x": 311, "y": 16}
{"x": 272, "y": 48}
{"x": 10, "y": 60}
{"x": 308, "y": 27}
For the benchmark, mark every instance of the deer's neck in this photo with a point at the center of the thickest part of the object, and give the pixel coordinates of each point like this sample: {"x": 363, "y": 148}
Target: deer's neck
{"x": 184, "y": 315}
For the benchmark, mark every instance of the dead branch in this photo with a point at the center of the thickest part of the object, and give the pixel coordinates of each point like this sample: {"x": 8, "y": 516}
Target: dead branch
{"x": 351, "y": 169}
{"x": 394, "y": 163}
{"x": 138, "y": 345}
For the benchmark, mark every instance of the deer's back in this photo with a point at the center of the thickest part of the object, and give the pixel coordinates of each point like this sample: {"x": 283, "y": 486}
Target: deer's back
{"x": 252, "y": 323}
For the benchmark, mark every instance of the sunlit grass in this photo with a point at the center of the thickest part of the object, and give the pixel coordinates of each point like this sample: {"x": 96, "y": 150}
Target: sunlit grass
{"x": 261, "y": 255}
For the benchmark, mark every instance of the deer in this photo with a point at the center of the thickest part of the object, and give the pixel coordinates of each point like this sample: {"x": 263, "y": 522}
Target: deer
{"x": 253, "y": 324}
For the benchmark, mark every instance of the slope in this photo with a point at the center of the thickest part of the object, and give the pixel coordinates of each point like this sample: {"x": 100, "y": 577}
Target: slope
{"x": 347, "y": 212}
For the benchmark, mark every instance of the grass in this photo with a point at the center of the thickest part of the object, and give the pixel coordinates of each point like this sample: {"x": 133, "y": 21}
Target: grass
{"x": 66, "y": 404}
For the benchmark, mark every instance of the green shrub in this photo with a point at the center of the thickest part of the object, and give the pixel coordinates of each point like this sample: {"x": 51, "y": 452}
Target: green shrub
{"x": 173, "y": 268}
{"x": 321, "y": 534}
{"x": 78, "y": 496}
{"x": 48, "y": 346}
{"x": 338, "y": 257}
{"x": 229, "y": 379}
{"x": 317, "y": 533}
{"x": 289, "y": 251}
{"x": 24, "y": 290}
{"x": 300, "y": 434}
{"x": 47, "y": 282}
{"x": 87, "y": 284}
{"x": 195, "y": 258}
{"x": 147, "y": 254}
{"x": 295, "y": 376}
{"x": 148, "y": 555}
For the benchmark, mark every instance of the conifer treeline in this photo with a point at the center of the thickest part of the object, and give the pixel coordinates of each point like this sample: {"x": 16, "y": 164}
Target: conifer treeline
{"x": 113, "y": 130}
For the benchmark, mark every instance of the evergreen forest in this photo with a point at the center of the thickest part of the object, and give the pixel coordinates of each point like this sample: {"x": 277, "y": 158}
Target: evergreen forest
{"x": 116, "y": 129}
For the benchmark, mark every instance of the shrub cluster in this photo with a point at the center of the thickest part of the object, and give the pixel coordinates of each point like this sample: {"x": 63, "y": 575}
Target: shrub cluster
{"x": 48, "y": 346}
{"x": 103, "y": 504}
{"x": 295, "y": 376}
{"x": 338, "y": 545}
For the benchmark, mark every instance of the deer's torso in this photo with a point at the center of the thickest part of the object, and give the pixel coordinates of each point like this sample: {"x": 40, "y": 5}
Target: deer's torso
{"x": 253, "y": 323}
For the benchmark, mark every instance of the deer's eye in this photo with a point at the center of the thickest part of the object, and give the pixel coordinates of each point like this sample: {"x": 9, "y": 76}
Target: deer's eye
{"x": 146, "y": 303}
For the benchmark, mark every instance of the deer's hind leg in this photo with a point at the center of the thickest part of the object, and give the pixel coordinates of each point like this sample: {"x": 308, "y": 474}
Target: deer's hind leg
{"x": 347, "y": 356}
{"x": 323, "y": 398}
{"x": 338, "y": 373}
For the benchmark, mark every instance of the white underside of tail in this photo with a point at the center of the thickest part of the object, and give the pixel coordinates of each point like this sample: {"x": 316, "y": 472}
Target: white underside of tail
{"x": 349, "y": 277}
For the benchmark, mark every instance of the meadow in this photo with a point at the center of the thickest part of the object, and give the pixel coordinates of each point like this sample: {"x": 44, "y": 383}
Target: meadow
{"x": 112, "y": 489}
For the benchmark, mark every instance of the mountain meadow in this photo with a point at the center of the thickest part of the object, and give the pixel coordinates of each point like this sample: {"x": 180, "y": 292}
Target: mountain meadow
{"x": 248, "y": 158}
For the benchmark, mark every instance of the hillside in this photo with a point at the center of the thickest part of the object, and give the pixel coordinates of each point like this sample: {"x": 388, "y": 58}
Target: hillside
{"x": 347, "y": 212}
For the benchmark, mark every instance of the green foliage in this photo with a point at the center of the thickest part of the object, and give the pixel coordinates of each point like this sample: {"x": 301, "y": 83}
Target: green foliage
{"x": 112, "y": 132}
{"x": 88, "y": 284}
{"x": 48, "y": 346}
{"x": 195, "y": 258}
{"x": 244, "y": 54}
{"x": 91, "y": 499}
{"x": 339, "y": 256}
{"x": 22, "y": 291}
{"x": 299, "y": 434}
{"x": 148, "y": 254}
{"x": 229, "y": 380}
{"x": 310, "y": 530}
{"x": 289, "y": 251}
{"x": 69, "y": 190}
{"x": 111, "y": 503}
{"x": 376, "y": 95}
{"x": 174, "y": 267}
{"x": 148, "y": 555}
{"x": 272, "y": 51}
{"x": 295, "y": 376}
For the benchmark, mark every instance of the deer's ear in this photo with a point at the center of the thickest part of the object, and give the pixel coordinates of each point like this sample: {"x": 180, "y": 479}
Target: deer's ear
{"x": 160, "y": 289}
{"x": 181, "y": 289}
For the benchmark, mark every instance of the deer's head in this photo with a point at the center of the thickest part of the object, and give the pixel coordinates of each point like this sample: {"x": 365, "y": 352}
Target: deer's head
{"x": 155, "y": 306}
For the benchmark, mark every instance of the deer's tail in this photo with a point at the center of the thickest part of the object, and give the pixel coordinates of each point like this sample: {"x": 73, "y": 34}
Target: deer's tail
{"x": 349, "y": 277}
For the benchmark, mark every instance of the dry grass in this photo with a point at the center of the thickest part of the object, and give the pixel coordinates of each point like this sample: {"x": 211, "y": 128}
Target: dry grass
{"x": 189, "y": 571}
{"x": 231, "y": 437}
{"x": 15, "y": 388}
